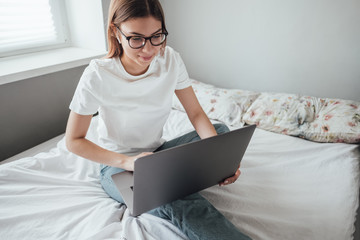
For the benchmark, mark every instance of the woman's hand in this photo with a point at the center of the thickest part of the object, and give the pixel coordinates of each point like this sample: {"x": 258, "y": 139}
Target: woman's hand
{"x": 129, "y": 162}
{"x": 231, "y": 179}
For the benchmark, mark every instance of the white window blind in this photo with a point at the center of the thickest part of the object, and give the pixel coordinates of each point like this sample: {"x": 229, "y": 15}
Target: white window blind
{"x": 29, "y": 25}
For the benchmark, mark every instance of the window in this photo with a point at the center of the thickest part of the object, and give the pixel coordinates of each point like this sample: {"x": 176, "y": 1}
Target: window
{"x": 31, "y": 25}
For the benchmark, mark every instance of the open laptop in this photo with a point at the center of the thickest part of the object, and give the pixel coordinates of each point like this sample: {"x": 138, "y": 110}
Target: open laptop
{"x": 176, "y": 172}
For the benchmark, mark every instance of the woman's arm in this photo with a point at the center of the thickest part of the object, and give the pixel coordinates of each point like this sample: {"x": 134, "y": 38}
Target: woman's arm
{"x": 200, "y": 121}
{"x": 76, "y": 142}
{"x": 196, "y": 114}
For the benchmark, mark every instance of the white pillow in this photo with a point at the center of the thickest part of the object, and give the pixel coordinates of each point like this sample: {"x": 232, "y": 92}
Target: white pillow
{"x": 315, "y": 119}
{"x": 225, "y": 105}
{"x": 336, "y": 121}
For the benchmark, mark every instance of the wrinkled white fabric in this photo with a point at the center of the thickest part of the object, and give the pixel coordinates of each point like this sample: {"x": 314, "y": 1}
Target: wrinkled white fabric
{"x": 289, "y": 189}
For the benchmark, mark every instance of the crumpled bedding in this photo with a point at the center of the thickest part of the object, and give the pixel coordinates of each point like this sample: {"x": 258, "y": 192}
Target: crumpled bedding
{"x": 312, "y": 118}
{"x": 289, "y": 188}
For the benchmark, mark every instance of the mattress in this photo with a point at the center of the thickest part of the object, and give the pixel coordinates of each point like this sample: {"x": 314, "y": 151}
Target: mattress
{"x": 289, "y": 188}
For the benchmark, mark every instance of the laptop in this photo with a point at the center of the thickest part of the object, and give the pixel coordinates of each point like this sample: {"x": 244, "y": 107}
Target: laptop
{"x": 174, "y": 173}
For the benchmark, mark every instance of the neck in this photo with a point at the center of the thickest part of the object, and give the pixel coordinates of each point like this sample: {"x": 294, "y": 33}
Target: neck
{"x": 131, "y": 68}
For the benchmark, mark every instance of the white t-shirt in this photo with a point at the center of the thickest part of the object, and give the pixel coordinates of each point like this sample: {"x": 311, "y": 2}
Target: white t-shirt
{"x": 132, "y": 109}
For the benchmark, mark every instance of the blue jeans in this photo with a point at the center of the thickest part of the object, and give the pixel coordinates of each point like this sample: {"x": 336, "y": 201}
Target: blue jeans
{"x": 193, "y": 215}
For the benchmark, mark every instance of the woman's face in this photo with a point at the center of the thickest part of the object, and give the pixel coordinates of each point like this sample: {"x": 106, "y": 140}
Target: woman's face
{"x": 137, "y": 61}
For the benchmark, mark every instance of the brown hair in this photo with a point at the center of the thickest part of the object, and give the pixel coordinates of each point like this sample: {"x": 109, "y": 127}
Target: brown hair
{"x": 123, "y": 10}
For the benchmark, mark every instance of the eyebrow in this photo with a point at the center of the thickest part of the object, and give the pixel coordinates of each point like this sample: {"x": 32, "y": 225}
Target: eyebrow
{"x": 135, "y": 33}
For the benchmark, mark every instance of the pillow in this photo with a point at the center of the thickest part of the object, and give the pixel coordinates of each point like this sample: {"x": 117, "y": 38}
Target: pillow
{"x": 225, "y": 105}
{"x": 280, "y": 112}
{"x": 336, "y": 121}
{"x": 315, "y": 119}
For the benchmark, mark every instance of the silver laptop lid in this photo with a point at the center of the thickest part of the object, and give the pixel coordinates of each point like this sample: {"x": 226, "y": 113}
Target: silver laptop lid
{"x": 174, "y": 173}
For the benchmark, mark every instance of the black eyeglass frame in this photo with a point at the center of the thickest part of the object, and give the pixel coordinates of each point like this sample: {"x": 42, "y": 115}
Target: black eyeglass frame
{"x": 146, "y": 38}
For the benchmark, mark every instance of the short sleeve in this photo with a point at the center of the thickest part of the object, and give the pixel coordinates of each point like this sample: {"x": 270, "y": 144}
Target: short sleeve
{"x": 87, "y": 97}
{"x": 183, "y": 80}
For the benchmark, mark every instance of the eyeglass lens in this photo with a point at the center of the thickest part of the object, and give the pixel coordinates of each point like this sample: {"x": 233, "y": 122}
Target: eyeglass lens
{"x": 138, "y": 42}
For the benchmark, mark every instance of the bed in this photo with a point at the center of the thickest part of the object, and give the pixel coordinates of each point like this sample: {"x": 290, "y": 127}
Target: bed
{"x": 300, "y": 176}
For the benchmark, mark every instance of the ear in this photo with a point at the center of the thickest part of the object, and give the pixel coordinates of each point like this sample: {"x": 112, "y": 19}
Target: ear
{"x": 114, "y": 31}
{"x": 117, "y": 37}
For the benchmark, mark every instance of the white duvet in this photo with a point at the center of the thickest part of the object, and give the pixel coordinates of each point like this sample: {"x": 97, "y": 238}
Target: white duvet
{"x": 289, "y": 189}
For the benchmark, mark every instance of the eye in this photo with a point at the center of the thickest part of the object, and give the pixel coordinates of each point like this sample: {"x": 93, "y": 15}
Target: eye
{"x": 137, "y": 39}
{"x": 156, "y": 36}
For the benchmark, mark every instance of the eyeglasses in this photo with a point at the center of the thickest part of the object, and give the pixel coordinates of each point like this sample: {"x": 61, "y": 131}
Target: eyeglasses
{"x": 137, "y": 42}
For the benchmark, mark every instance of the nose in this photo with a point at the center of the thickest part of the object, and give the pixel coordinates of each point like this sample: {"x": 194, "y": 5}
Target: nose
{"x": 148, "y": 46}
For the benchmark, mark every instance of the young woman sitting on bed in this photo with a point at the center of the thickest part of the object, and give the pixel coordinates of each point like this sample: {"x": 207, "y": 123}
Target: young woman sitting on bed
{"x": 132, "y": 89}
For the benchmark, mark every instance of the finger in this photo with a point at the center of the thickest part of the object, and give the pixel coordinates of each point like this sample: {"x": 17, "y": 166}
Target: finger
{"x": 147, "y": 153}
{"x": 227, "y": 181}
{"x": 143, "y": 154}
{"x": 232, "y": 179}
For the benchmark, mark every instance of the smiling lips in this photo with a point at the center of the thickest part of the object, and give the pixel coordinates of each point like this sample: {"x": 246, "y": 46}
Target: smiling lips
{"x": 146, "y": 59}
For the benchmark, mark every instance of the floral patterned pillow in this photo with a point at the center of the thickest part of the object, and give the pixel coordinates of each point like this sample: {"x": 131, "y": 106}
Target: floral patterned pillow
{"x": 280, "y": 112}
{"x": 312, "y": 118}
{"x": 315, "y": 119}
{"x": 336, "y": 121}
{"x": 225, "y": 105}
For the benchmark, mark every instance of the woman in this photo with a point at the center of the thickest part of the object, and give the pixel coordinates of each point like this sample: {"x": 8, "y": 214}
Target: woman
{"x": 132, "y": 91}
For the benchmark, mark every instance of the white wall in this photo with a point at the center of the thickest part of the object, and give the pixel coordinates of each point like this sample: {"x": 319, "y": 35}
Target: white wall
{"x": 86, "y": 23}
{"x": 310, "y": 47}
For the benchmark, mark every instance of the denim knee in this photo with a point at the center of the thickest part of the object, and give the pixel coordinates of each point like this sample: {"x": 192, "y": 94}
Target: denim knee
{"x": 108, "y": 184}
{"x": 221, "y": 128}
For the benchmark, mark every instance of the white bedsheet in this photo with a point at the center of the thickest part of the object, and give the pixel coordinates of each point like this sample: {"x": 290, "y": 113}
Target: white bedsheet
{"x": 289, "y": 189}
